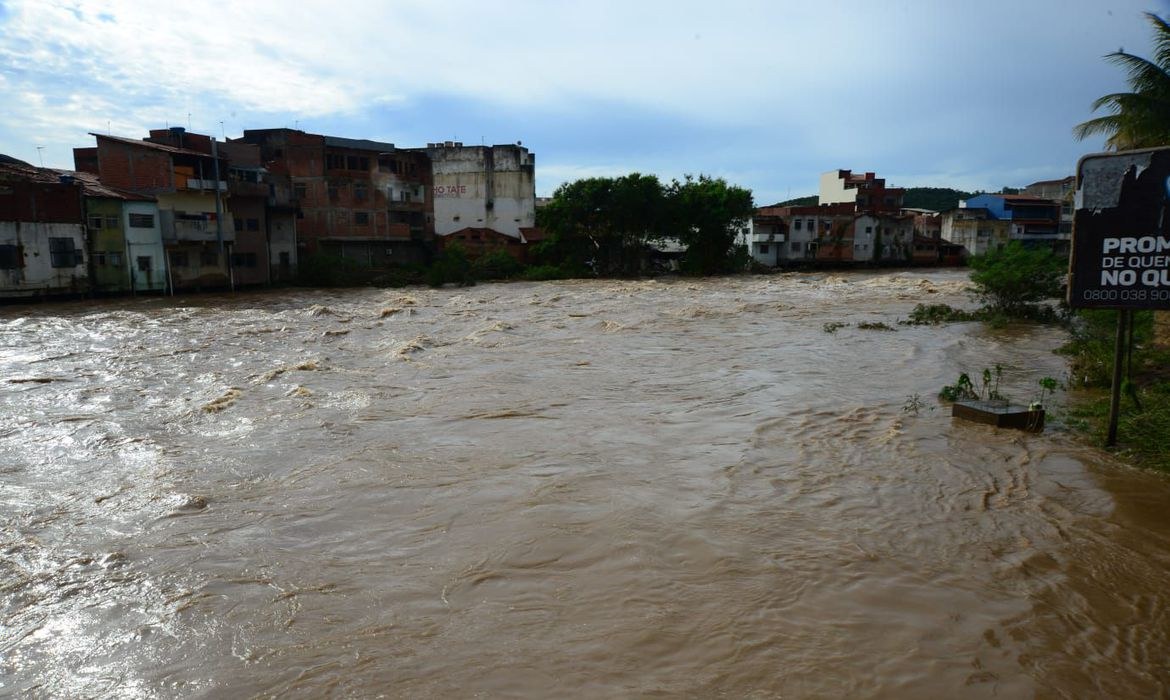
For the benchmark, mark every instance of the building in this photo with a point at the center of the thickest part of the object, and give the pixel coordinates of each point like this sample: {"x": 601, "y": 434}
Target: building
{"x": 248, "y": 191}
{"x": 491, "y": 187}
{"x": 185, "y": 173}
{"x": 1034, "y": 221}
{"x": 868, "y": 192}
{"x": 365, "y": 201}
{"x": 1063, "y": 191}
{"x": 42, "y": 232}
{"x": 976, "y": 229}
{"x": 126, "y": 252}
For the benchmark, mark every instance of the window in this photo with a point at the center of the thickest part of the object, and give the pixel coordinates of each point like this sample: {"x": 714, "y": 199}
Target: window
{"x": 142, "y": 221}
{"x": 869, "y": 229}
{"x": 144, "y": 263}
{"x": 98, "y": 257}
{"x": 10, "y": 257}
{"x": 404, "y": 196}
{"x": 334, "y": 161}
{"x": 96, "y": 222}
{"x": 363, "y": 163}
{"x": 253, "y": 224}
{"x": 209, "y": 258}
{"x": 809, "y": 225}
{"x": 299, "y": 190}
{"x": 239, "y": 224}
{"x": 115, "y": 259}
{"x": 763, "y": 248}
{"x": 828, "y": 226}
{"x": 243, "y": 260}
{"x": 285, "y": 261}
{"x": 796, "y": 225}
{"x": 796, "y": 246}
{"x": 361, "y": 218}
{"x": 62, "y": 253}
{"x": 333, "y": 191}
{"x": 111, "y": 222}
{"x": 361, "y": 191}
{"x": 179, "y": 259}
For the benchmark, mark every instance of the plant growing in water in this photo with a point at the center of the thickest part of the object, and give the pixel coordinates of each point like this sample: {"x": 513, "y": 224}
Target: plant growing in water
{"x": 965, "y": 389}
{"x": 1048, "y": 387}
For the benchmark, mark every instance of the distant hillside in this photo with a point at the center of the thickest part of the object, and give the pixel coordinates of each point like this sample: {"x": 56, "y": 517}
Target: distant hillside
{"x": 809, "y": 201}
{"x": 936, "y": 198}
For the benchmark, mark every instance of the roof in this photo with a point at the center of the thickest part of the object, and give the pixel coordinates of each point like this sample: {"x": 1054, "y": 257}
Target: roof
{"x": 23, "y": 172}
{"x": 154, "y": 146}
{"x": 1060, "y": 181}
{"x": 358, "y": 144}
{"x": 481, "y": 231}
{"x": 532, "y": 234}
{"x": 92, "y": 187}
{"x": 10, "y": 159}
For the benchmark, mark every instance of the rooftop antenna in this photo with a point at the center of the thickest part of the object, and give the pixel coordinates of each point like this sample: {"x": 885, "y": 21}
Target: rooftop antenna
{"x": 109, "y": 129}
{"x": 188, "y": 121}
{"x": 41, "y": 155}
{"x": 221, "y": 130}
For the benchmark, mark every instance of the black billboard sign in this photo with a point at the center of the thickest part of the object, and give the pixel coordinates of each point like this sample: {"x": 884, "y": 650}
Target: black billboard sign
{"x": 1121, "y": 231}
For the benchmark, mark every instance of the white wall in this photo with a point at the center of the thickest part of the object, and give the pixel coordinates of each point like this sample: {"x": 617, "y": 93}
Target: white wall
{"x": 467, "y": 177}
{"x": 38, "y": 276}
{"x": 145, "y": 242}
{"x": 833, "y": 189}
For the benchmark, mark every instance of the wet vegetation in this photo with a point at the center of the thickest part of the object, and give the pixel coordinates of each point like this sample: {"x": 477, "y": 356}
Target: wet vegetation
{"x": 1144, "y": 420}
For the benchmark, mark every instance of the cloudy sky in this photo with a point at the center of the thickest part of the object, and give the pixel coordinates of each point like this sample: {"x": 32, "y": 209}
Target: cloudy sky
{"x": 766, "y": 93}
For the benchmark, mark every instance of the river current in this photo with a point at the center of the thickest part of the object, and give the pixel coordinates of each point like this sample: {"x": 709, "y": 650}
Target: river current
{"x": 585, "y": 489}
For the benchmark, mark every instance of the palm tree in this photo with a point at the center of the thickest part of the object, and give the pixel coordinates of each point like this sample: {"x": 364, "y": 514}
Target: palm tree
{"x": 1141, "y": 118}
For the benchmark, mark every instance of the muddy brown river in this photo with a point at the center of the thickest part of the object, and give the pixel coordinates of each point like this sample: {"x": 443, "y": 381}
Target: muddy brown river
{"x": 586, "y": 489}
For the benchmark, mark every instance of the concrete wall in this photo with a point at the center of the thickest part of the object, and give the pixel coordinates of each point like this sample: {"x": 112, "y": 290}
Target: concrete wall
{"x": 282, "y": 245}
{"x": 109, "y": 270}
{"x": 145, "y": 242}
{"x": 37, "y": 274}
{"x": 832, "y": 189}
{"x": 483, "y": 187}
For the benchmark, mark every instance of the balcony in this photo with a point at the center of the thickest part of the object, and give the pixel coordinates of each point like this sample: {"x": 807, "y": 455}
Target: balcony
{"x": 191, "y": 230}
{"x": 242, "y": 188}
{"x": 197, "y": 184}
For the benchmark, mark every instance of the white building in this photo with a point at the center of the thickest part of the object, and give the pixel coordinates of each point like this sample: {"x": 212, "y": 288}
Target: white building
{"x": 483, "y": 187}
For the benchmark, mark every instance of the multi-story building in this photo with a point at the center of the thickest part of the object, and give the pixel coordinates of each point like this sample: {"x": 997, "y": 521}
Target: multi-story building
{"x": 1033, "y": 221}
{"x": 868, "y": 192}
{"x": 976, "y": 229}
{"x": 366, "y": 201}
{"x": 184, "y": 172}
{"x": 1063, "y": 191}
{"x": 491, "y": 187}
{"x": 248, "y": 191}
{"x": 126, "y": 252}
{"x": 42, "y": 234}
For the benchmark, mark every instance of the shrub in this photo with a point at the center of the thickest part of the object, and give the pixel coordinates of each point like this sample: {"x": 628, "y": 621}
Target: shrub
{"x": 496, "y": 265}
{"x": 1013, "y": 279}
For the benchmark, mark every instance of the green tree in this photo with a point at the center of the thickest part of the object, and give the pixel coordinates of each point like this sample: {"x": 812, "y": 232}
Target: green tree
{"x": 607, "y": 220}
{"x": 1139, "y": 118}
{"x": 705, "y": 215}
{"x": 1012, "y": 279}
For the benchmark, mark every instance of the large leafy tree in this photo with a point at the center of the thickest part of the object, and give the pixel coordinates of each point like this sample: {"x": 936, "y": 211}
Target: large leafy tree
{"x": 1139, "y": 118}
{"x": 706, "y": 214}
{"x": 608, "y": 220}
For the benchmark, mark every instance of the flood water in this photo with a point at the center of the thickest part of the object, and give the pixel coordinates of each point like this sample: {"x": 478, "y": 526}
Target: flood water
{"x": 586, "y": 489}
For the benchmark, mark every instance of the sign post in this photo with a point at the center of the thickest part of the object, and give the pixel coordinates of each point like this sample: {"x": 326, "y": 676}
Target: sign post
{"x": 1121, "y": 243}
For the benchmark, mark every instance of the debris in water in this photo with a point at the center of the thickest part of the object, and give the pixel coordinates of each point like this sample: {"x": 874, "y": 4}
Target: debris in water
{"x": 335, "y": 333}
{"x": 223, "y": 402}
{"x": 33, "y": 380}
